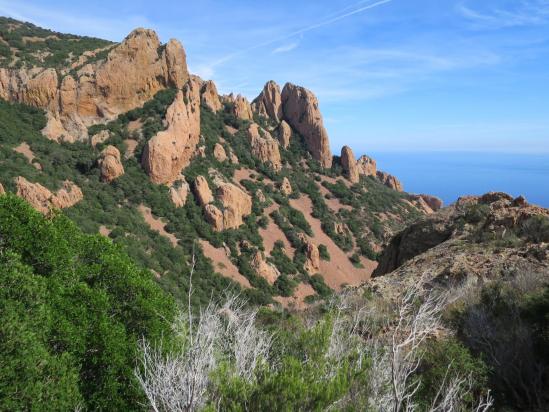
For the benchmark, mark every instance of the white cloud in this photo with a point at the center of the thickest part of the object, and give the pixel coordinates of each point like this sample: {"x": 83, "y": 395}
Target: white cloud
{"x": 286, "y": 48}
{"x": 521, "y": 13}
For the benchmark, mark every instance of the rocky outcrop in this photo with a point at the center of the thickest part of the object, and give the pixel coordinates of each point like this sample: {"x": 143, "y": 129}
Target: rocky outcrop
{"x": 312, "y": 264}
{"x": 264, "y": 147}
{"x": 241, "y": 107}
{"x": 214, "y": 217}
{"x": 219, "y": 153}
{"x": 2, "y": 190}
{"x": 284, "y": 134}
{"x": 110, "y": 164}
{"x": 43, "y": 200}
{"x": 133, "y": 72}
{"x": 301, "y": 111}
{"x": 202, "y": 191}
{"x": 171, "y": 150}
{"x": 366, "y": 166}
{"x": 286, "y": 187}
{"x": 264, "y": 269}
{"x": 237, "y": 204}
{"x": 100, "y": 137}
{"x": 179, "y": 192}
{"x": 390, "y": 181}
{"x": 210, "y": 97}
{"x": 348, "y": 163}
{"x": 269, "y": 102}
{"x": 433, "y": 202}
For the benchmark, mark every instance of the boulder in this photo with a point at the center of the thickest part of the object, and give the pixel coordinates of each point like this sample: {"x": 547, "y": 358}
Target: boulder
{"x": 43, "y": 200}
{"x": 202, "y": 191}
{"x": 179, "y": 192}
{"x": 171, "y": 150}
{"x": 264, "y": 269}
{"x": 366, "y": 166}
{"x": 390, "y": 181}
{"x": 348, "y": 162}
{"x": 219, "y": 153}
{"x": 286, "y": 187}
{"x": 210, "y": 97}
{"x": 237, "y": 204}
{"x": 110, "y": 165}
{"x": 301, "y": 111}
{"x": 265, "y": 148}
{"x": 435, "y": 203}
{"x": 214, "y": 217}
{"x": 269, "y": 102}
{"x": 284, "y": 134}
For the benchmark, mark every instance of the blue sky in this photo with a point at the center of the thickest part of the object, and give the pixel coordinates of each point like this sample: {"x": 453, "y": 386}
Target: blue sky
{"x": 391, "y": 75}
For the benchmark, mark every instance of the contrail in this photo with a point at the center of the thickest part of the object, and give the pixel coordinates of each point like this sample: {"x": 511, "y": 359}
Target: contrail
{"x": 315, "y": 26}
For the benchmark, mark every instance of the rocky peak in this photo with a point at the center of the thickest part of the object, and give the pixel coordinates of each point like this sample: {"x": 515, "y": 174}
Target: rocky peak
{"x": 390, "y": 181}
{"x": 301, "y": 111}
{"x": 366, "y": 166}
{"x": 242, "y": 108}
{"x": 269, "y": 102}
{"x": 210, "y": 97}
{"x": 348, "y": 162}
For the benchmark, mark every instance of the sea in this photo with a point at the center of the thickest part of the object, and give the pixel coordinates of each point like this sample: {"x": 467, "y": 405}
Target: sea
{"x": 450, "y": 175}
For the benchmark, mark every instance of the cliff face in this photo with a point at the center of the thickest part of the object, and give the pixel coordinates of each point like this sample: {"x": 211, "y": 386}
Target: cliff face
{"x": 132, "y": 73}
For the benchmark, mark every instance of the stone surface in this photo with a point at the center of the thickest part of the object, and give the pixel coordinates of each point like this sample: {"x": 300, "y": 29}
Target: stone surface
{"x": 171, "y": 150}
{"x": 286, "y": 187}
{"x": 214, "y": 216}
{"x": 43, "y": 200}
{"x": 284, "y": 134}
{"x": 133, "y": 72}
{"x": 366, "y": 166}
{"x": 264, "y": 269}
{"x": 219, "y": 153}
{"x": 265, "y": 148}
{"x": 241, "y": 107}
{"x": 179, "y": 192}
{"x": 348, "y": 163}
{"x": 301, "y": 111}
{"x": 2, "y": 190}
{"x": 269, "y": 102}
{"x": 210, "y": 97}
{"x": 237, "y": 204}
{"x": 100, "y": 137}
{"x": 312, "y": 264}
{"x": 390, "y": 181}
{"x": 202, "y": 191}
{"x": 110, "y": 164}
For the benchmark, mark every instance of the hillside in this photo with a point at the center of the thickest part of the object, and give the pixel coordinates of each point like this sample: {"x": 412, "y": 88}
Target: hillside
{"x": 163, "y": 165}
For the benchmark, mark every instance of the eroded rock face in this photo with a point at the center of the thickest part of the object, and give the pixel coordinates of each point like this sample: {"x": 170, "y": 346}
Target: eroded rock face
{"x": 284, "y": 134}
{"x": 179, "y": 192}
{"x": 264, "y": 269}
{"x": 210, "y": 97}
{"x": 43, "y": 200}
{"x": 366, "y": 166}
{"x": 202, "y": 191}
{"x": 312, "y": 264}
{"x": 219, "y": 153}
{"x": 214, "y": 216}
{"x": 348, "y": 162}
{"x": 237, "y": 204}
{"x": 171, "y": 150}
{"x": 301, "y": 111}
{"x": 242, "y": 108}
{"x": 269, "y": 102}
{"x": 133, "y": 72}
{"x": 100, "y": 137}
{"x": 110, "y": 164}
{"x": 435, "y": 203}
{"x": 286, "y": 187}
{"x": 2, "y": 190}
{"x": 390, "y": 181}
{"x": 265, "y": 148}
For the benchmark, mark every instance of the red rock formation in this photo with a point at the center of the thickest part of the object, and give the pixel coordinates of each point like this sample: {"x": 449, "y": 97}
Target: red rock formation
{"x": 171, "y": 150}
{"x": 265, "y": 148}
{"x": 237, "y": 204}
{"x": 301, "y": 111}
{"x": 264, "y": 269}
{"x": 286, "y": 187}
{"x": 284, "y": 134}
{"x": 366, "y": 166}
{"x": 43, "y": 199}
{"x": 348, "y": 162}
{"x": 210, "y": 97}
{"x": 219, "y": 153}
{"x": 110, "y": 165}
{"x": 241, "y": 107}
{"x": 202, "y": 191}
{"x": 269, "y": 102}
{"x": 390, "y": 181}
{"x": 312, "y": 264}
{"x": 179, "y": 192}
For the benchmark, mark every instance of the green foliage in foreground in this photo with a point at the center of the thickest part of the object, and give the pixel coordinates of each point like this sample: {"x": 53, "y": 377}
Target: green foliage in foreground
{"x": 72, "y": 308}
